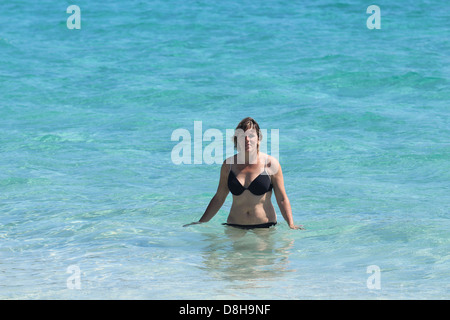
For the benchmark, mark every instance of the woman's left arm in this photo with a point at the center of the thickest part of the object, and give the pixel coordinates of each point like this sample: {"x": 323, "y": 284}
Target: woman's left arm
{"x": 280, "y": 194}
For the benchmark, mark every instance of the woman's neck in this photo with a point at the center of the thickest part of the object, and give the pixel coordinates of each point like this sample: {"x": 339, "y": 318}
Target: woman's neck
{"x": 247, "y": 158}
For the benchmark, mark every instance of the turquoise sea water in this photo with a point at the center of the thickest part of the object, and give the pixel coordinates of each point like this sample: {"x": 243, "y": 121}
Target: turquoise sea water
{"x": 87, "y": 179}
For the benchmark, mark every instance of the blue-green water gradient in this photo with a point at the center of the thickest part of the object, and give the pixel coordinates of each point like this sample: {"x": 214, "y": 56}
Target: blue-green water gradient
{"x": 87, "y": 178}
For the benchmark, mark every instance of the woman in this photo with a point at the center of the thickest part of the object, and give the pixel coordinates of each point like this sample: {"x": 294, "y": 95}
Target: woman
{"x": 250, "y": 176}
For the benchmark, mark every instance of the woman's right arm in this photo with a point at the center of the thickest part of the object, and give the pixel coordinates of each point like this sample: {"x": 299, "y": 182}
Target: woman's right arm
{"x": 219, "y": 198}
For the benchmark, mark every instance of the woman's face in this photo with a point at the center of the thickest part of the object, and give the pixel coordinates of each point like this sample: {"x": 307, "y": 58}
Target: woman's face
{"x": 247, "y": 140}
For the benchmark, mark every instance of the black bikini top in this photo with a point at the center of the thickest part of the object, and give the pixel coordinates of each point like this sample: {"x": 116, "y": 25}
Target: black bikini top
{"x": 259, "y": 186}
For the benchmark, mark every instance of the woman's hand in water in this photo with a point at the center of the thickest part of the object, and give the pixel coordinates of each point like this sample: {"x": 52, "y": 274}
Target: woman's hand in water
{"x": 300, "y": 227}
{"x": 192, "y": 223}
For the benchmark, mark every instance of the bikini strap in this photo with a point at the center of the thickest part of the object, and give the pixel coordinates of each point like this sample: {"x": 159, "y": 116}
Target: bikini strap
{"x": 265, "y": 164}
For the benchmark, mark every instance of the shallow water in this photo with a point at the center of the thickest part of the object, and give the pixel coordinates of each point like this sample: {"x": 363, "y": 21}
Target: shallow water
{"x": 87, "y": 178}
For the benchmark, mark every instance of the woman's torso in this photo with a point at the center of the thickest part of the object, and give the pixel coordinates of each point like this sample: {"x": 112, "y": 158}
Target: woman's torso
{"x": 249, "y": 208}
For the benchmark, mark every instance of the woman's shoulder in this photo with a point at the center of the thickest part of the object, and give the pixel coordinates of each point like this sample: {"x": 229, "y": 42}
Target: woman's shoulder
{"x": 226, "y": 164}
{"x": 270, "y": 159}
{"x": 229, "y": 160}
{"x": 272, "y": 164}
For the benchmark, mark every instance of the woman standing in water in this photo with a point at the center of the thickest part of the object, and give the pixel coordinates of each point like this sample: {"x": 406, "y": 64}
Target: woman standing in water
{"x": 250, "y": 176}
